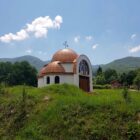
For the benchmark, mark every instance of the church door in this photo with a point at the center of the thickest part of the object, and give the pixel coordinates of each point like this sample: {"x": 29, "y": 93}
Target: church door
{"x": 84, "y": 83}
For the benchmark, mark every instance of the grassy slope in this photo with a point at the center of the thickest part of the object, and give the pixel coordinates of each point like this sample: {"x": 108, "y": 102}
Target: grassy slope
{"x": 63, "y": 112}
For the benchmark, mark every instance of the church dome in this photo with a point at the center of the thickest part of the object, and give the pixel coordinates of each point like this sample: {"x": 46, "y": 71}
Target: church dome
{"x": 53, "y": 67}
{"x": 65, "y": 55}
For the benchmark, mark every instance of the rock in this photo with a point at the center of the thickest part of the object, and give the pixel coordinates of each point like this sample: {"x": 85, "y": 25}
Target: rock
{"x": 46, "y": 98}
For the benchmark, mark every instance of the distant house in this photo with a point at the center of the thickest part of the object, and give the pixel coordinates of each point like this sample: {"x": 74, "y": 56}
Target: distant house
{"x": 115, "y": 84}
{"x": 67, "y": 66}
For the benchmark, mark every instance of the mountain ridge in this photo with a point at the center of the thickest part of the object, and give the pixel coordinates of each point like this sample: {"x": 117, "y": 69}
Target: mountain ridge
{"x": 123, "y": 64}
{"x": 120, "y": 65}
{"x": 34, "y": 61}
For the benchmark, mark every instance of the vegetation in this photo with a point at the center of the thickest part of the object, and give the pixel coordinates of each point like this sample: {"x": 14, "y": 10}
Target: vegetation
{"x": 126, "y": 95}
{"x": 18, "y": 73}
{"x": 64, "y": 112}
{"x": 121, "y": 65}
{"x": 32, "y": 60}
{"x": 129, "y": 79}
{"x": 137, "y": 81}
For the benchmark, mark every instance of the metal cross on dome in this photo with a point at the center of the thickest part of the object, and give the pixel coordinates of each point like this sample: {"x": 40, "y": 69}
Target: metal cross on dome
{"x": 66, "y": 44}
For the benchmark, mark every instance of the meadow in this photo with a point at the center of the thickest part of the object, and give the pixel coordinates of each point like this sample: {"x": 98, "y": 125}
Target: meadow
{"x": 64, "y": 112}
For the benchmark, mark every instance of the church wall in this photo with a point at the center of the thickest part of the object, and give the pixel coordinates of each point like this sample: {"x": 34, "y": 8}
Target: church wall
{"x": 51, "y": 79}
{"x": 76, "y": 80}
{"x": 67, "y": 79}
{"x": 40, "y": 82}
{"x": 68, "y": 67}
{"x": 63, "y": 79}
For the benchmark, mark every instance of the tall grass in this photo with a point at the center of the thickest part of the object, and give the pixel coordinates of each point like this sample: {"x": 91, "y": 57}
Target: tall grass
{"x": 71, "y": 114}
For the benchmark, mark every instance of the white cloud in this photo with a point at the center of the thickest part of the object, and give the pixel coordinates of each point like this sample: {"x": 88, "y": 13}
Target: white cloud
{"x": 29, "y": 51}
{"x": 57, "y": 22}
{"x": 21, "y": 35}
{"x": 41, "y": 53}
{"x": 38, "y": 27}
{"x": 133, "y": 36}
{"x": 88, "y": 38}
{"x": 76, "y": 39}
{"x": 95, "y": 46}
{"x": 135, "y": 49}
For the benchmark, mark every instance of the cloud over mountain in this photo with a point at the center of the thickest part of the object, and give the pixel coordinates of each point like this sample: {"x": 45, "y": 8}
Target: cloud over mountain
{"x": 135, "y": 49}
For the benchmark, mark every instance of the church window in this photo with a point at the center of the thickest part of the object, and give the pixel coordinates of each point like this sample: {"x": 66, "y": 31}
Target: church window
{"x": 83, "y": 68}
{"x": 57, "y": 80}
{"x": 48, "y": 80}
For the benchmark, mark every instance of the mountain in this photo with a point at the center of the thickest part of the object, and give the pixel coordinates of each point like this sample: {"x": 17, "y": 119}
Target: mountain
{"x": 123, "y": 65}
{"x": 34, "y": 61}
{"x": 120, "y": 65}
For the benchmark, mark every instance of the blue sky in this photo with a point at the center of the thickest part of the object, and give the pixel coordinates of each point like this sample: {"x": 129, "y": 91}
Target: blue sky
{"x": 104, "y": 30}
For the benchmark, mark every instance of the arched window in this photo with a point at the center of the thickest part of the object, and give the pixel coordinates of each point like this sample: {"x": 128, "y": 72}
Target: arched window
{"x": 83, "y": 68}
{"x": 57, "y": 80}
{"x": 48, "y": 80}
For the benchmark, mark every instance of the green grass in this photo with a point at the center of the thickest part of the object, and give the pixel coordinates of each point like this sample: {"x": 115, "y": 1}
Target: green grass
{"x": 64, "y": 112}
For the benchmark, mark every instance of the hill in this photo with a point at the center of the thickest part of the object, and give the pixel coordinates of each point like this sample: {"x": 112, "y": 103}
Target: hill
{"x": 122, "y": 65}
{"x": 34, "y": 61}
{"x": 64, "y": 112}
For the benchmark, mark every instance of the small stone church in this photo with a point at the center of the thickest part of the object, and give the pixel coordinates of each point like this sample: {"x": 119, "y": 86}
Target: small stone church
{"x": 67, "y": 66}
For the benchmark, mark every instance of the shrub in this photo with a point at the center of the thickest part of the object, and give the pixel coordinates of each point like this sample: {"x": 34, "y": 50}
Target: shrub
{"x": 133, "y": 132}
{"x": 101, "y": 86}
{"x": 2, "y": 89}
{"x": 126, "y": 95}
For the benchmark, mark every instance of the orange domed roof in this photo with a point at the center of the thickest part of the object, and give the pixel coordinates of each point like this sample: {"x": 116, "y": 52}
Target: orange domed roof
{"x": 65, "y": 55}
{"x": 42, "y": 71}
{"x": 53, "y": 67}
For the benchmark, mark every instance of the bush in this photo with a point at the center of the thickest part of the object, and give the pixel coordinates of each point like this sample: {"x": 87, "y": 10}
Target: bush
{"x": 126, "y": 95}
{"x": 101, "y": 86}
{"x": 2, "y": 89}
{"x": 133, "y": 132}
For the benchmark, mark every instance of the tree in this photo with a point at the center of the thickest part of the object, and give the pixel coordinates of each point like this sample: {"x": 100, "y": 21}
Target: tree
{"x": 130, "y": 77}
{"x": 100, "y": 79}
{"x": 137, "y": 81}
{"x": 5, "y": 70}
{"x": 127, "y": 79}
{"x": 122, "y": 79}
{"x": 99, "y": 71}
{"x": 18, "y": 73}
{"x": 110, "y": 75}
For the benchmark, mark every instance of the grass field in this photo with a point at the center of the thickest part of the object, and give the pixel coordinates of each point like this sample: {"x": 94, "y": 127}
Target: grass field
{"x": 64, "y": 112}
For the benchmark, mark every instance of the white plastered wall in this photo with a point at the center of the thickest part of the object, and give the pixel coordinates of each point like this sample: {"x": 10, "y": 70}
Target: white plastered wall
{"x": 69, "y": 78}
{"x": 68, "y": 67}
{"x": 40, "y": 82}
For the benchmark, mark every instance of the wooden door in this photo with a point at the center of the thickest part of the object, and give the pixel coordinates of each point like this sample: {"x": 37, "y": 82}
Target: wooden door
{"x": 84, "y": 83}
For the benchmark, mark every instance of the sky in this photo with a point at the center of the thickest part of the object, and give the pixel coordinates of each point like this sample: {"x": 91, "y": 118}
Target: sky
{"x": 104, "y": 30}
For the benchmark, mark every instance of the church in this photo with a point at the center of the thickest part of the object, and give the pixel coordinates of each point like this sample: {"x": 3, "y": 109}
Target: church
{"x": 67, "y": 66}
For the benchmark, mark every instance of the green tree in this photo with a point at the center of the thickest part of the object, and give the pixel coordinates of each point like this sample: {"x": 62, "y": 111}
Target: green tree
{"x": 137, "y": 81}
{"x": 18, "y": 73}
{"x": 100, "y": 79}
{"x": 110, "y": 75}
{"x": 130, "y": 77}
{"x": 126, "y": 79}
{"x": 122, "y": 79}
{"x": 5, "y": 70}
{"x": 99, "y": 71}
